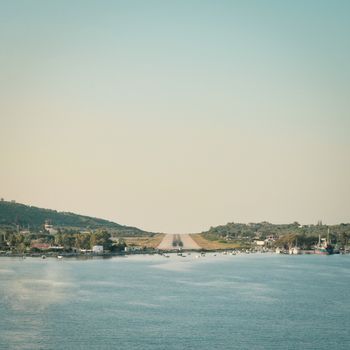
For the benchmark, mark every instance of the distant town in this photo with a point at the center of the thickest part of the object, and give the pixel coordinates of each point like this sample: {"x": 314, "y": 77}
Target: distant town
{"x": 27, "y": 230}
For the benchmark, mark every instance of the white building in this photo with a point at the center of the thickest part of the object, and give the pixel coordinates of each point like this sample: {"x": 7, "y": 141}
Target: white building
{"x": 48, "y": 227}
{"x": 98, "y": 249}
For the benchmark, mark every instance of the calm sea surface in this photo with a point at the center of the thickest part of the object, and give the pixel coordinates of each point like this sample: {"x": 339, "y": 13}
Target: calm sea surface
{"x": 256, "y": 301}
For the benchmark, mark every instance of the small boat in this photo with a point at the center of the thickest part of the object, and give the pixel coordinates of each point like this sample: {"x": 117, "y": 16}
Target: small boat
{"x": 43, "y": 257}
{"x": 324, "y": 246}
{"x": 294, "y": 251}
{"x": 59, "y": 257}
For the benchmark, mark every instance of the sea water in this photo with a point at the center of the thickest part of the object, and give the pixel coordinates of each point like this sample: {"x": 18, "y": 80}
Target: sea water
{"x": 256, "y": 301}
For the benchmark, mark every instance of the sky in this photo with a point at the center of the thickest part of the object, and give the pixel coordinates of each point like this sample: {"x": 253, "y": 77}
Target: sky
{"x": 174, "y": 116}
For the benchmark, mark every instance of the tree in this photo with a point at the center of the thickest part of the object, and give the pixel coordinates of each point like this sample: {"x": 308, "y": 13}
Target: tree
{"x": 118, "y": 246}
{"x": 83, "y": 240}
{"x": 344, "y": 239}
{"x": 101, "y": 238}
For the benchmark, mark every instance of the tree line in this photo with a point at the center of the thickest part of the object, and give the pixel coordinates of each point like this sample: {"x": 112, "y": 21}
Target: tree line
{"x": 21, "y": 243}
{"x": 283, "y": 234}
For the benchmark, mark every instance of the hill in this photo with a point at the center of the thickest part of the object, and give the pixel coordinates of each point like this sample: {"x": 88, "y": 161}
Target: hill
{"x": 13, "y": 214}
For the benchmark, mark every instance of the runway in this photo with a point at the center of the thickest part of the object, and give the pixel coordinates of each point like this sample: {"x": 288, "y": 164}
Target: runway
{"x": 178, "y": 241}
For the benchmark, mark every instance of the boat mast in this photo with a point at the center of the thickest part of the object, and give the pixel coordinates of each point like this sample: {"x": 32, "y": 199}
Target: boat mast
{"x": 328, "y": 237}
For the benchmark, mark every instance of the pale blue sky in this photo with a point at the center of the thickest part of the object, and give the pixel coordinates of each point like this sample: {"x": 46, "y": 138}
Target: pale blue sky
{"x": 177, "y": 115}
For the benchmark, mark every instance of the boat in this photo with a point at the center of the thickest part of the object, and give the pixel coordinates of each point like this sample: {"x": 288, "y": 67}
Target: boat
{"x": 43, "y": 257}
{"x": 59, "y": 256}
{"x": 294, "y": 251}
{"x": 324, "y": 246}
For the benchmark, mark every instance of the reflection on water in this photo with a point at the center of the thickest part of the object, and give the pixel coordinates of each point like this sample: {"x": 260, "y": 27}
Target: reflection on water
{"x": 49, "y": 284}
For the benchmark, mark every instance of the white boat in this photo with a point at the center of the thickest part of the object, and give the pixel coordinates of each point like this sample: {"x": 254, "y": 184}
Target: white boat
{"x": 59, "y": 257}
{"x": 296, "y": 250}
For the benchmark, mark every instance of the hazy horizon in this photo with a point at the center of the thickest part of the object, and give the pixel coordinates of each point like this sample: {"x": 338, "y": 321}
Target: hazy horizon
{"x": 177, "y": 116}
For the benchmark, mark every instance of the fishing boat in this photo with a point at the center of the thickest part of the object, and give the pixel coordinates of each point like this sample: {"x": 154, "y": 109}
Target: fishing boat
{"x": 324, "y": 246}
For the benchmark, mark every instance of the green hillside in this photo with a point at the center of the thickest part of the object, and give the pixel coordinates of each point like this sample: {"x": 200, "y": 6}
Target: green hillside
{"x": 13, "y": 214}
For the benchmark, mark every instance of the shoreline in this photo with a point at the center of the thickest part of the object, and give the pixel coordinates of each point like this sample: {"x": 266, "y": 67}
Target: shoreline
{"x": 201, "y": 252}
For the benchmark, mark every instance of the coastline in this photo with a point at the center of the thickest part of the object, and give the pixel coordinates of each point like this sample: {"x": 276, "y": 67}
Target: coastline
{"x": 181, "y": 252}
